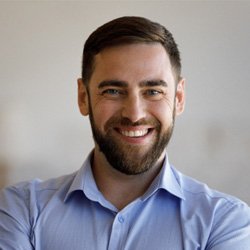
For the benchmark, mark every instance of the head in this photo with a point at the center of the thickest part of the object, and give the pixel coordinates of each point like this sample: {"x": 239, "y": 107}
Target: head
{"x": 131, "y": 89}
{"x": 129, "y": 30}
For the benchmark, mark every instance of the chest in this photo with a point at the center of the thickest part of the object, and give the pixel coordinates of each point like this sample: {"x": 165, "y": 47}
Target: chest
{"x": 88, "y": 225}
{"x": 152, "y": 224}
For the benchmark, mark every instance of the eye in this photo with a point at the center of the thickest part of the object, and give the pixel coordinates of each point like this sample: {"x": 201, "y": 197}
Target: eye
{"x": 112, "y": 93}
{"x": 153, "y": 92}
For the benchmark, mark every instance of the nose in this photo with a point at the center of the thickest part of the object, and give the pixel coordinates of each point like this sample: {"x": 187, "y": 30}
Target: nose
{"x": 134, "y": 108}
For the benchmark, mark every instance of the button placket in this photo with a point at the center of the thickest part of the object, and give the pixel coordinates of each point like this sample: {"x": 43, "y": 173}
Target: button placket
{"x": 118, "y": 232}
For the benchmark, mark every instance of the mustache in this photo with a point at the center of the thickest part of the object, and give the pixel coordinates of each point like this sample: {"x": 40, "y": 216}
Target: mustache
{"x": 123, "y": 121}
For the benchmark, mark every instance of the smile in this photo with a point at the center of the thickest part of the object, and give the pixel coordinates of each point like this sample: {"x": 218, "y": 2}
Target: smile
{"x": 135, "y": 133}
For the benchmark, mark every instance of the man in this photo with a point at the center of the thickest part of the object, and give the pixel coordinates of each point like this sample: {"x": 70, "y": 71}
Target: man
{"x": 126, "y": 195}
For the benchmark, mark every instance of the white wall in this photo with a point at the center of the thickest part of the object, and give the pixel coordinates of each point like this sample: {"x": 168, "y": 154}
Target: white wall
{"x": 41, "y": 131}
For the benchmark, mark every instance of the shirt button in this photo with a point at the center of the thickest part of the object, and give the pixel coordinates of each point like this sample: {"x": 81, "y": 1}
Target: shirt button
{"x": 120, "y": 219}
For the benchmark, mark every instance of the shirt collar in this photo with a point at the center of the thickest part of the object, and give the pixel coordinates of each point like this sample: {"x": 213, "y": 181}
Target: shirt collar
{"x": 83, "y": 174}
{"x": 167, "y": 180}
{"x": 84, "y": 181}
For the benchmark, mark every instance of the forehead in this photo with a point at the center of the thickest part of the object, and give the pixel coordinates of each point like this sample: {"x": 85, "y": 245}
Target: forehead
{"x": 137, "y": 51}
{"x": 133, "y": 62}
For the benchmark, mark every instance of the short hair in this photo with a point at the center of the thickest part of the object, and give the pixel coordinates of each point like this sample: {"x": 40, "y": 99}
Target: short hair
{"x": 128, "y": 30}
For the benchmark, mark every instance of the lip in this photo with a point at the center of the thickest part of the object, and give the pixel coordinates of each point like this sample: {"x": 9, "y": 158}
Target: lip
{"x": 135, "y": 135}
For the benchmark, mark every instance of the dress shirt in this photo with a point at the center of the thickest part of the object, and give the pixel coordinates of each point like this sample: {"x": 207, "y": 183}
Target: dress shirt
{"x": 70, "y": 213}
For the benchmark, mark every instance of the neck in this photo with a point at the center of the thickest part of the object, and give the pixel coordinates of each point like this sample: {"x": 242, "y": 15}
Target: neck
{"x": 118, "y": 188}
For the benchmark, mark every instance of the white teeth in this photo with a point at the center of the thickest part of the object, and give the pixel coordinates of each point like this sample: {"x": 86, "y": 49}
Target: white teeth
{"x": 136, "y": 133}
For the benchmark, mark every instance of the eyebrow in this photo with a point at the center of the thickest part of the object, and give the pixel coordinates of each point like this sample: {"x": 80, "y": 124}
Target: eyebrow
{"x": 119, "y": 83}
{"x": 152, "y": 83}
{"x": 113, "y": 83}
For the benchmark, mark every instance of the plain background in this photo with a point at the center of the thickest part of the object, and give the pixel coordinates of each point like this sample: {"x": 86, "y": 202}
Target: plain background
{"x": 42, "y": 133}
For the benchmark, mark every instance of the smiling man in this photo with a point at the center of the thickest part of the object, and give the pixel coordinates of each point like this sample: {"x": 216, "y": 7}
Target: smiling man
{"x": 126, "y": 195}
{"x": 132, "y": 98}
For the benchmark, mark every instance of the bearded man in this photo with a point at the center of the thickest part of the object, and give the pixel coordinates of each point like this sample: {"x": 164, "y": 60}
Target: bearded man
{"x": 126, "y": 195}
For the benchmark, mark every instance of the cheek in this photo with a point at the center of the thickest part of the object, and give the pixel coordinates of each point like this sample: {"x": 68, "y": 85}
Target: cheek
{"x": 163, "y": 113}
{"x": 102, "y": 112}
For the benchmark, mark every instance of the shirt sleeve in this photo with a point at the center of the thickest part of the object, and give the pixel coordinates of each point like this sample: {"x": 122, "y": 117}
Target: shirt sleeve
{"x": 232, "y": 229}
{"x": 15, "y": 228}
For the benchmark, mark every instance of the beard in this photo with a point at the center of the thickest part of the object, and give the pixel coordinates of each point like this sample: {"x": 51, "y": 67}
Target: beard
{"x": 127, "y": 158}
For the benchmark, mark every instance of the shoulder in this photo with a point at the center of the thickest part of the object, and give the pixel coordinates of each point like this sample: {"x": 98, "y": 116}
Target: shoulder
{"x": 28, "y": 194}
{"x": 195, "y": 190}
{"x": 210, "y": 202}
{"x": 222, "y": 219}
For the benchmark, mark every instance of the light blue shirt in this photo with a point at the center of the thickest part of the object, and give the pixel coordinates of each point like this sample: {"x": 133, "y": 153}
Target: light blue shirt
{"x": 70, "y": 213}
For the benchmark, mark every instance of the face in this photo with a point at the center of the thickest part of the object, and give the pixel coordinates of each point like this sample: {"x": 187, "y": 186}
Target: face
{"x": 132, "y": 99}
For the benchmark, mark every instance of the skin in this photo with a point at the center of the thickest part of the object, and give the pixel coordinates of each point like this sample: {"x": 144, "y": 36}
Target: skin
{"x": 135, "y": 82}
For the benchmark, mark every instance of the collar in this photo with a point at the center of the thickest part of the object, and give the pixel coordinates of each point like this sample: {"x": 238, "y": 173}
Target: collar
{"x": 166, "y": 180}
{"x": 83, "y": 176}
{"x": 84, "y": 181}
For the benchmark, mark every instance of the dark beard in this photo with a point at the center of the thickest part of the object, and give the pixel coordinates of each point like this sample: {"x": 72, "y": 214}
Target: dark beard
{"x": 129, "y": 162}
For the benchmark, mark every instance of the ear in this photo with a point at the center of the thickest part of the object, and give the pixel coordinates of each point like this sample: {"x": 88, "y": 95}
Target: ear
{"x": 180, "y": 97}
{"x": 83, "y": 101}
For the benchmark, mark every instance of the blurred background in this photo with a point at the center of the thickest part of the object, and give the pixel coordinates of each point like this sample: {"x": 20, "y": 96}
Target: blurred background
{"x": 42, "y": 133}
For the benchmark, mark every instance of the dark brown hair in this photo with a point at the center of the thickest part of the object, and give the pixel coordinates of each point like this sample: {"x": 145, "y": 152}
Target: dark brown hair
{"x": 128, "y": 30}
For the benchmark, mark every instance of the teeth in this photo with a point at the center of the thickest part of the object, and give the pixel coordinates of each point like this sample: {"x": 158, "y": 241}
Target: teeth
{"x": 136, "y": 133}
